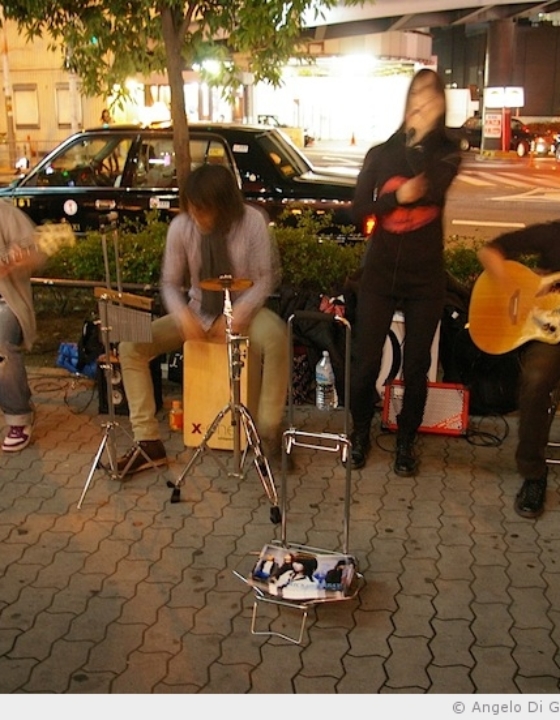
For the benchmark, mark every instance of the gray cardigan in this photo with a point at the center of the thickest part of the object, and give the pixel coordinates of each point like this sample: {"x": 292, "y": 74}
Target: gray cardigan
{"x": 17, "y": 230}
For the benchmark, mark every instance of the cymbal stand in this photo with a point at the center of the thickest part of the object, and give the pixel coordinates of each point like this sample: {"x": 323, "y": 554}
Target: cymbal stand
{"x": 110, "y": 303}
{"x": 241, "y": 419}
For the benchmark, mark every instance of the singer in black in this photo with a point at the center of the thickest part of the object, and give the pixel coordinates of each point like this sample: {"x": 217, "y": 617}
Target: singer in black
{"x": 403, "y": 183}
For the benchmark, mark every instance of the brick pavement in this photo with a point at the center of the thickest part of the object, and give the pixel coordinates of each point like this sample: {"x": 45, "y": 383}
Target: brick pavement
{"x": 133, "y": 594}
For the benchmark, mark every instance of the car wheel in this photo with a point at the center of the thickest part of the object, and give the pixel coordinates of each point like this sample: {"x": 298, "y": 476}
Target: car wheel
{"x": 521, "y": 150}
{"x": 464, "y": 144}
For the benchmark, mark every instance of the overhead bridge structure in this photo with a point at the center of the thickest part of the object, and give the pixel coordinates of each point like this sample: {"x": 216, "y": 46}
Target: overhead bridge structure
{"x": 384, "y": 16}
{"x": 475, "y": 44}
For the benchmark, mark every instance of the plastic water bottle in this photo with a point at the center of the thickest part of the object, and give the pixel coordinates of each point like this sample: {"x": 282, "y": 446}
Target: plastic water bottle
{"x": 325, "y": 390}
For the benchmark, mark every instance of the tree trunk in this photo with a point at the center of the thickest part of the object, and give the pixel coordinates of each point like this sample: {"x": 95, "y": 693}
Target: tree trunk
{"x": 173, "y": 39}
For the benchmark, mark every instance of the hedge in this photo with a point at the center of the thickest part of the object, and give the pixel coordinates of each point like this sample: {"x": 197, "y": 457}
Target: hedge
{"x": 309, "y": 260}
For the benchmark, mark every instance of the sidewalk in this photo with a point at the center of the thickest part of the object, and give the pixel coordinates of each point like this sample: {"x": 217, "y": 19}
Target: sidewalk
{"x": 134, "y": 594}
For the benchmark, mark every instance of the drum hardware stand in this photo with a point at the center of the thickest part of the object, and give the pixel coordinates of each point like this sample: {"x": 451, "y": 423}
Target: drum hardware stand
{"x": 128, "y": 324}
{"x": 240, "y": 416}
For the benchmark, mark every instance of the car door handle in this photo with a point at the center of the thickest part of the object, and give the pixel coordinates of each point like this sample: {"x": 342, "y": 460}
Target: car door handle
{"x": 105, "y": 205}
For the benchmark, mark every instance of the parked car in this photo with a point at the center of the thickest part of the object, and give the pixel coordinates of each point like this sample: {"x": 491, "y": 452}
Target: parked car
{"x": 557, "y": 148}
{"x": 130, "y": 170}
{"x": 470, "y": 135}
{"x": 545, "y": 143}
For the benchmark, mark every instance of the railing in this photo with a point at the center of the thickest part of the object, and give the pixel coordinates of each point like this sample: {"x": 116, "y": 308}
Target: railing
{"x": 77, "y": 284}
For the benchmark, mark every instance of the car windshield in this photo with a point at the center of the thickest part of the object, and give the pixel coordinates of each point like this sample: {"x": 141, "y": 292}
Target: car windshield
{"x": 283, "y": 155}
{"x": 155, "y": 164}
{"x": 97, "y": 161}
{"x": 268, "y": 151}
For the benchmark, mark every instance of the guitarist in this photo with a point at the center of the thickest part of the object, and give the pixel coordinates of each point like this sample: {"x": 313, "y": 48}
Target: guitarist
{"x": 540, "y": 363}
{"x": 18, "y": 259}
{"x": 403, "y": 182}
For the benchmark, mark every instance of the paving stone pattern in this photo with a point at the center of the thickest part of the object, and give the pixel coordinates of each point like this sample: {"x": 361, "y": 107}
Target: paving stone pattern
{"x": 134, "y": 594}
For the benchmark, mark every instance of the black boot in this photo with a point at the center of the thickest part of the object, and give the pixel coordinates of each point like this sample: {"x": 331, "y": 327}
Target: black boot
{"x": 405, "y": 460}
{"x": 361, "y": 445}
{"x": 529, "y": 501}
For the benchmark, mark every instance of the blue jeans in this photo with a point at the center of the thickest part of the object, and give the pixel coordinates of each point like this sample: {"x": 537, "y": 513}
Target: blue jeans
{"x": 15, "y": 395}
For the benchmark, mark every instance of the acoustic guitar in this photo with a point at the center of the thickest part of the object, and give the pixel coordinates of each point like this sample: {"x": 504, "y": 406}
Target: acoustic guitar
{"x": 52, "y": 237}
{"x": 48, "y": 239}
{"x": 501, "y": 320}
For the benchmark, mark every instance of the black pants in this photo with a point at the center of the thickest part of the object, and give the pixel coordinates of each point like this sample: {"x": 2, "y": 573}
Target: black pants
{"x": 540, "y": 375}
{"x": 373, "y": 321}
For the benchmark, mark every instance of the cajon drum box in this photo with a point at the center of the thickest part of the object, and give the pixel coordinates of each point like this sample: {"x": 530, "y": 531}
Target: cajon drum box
{"x": 206, "y": 391}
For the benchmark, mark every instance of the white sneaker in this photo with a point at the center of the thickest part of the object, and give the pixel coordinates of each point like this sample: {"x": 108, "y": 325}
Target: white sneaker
{"x": 18, "y": 437}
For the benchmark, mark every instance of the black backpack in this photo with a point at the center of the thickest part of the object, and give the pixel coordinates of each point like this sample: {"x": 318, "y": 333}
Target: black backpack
{"x": 90, "y": 346}
{"x": 492, "y": 380}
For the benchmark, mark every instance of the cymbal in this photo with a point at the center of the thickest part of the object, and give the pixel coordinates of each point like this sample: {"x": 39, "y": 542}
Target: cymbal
{"x": 225, "y": 282}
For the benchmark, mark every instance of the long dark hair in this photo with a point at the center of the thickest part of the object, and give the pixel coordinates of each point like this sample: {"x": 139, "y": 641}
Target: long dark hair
{"x": 214, "y": 188}
{"x": 439, "y": 88}
{"x": 309, "y": 565}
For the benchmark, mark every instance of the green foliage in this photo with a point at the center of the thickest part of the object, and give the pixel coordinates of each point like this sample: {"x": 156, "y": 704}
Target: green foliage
{"x": 106, "y": 41}
{"x": 140, "y": 255}
{"x": 310, "y": 260}
{"x": 461, "y": 259}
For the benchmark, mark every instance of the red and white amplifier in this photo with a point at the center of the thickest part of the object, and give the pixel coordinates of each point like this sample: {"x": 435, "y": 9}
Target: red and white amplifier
{"x": 446, "y": 412}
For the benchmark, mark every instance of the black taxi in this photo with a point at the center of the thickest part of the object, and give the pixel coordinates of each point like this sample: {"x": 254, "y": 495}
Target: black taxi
{"x": 129, "y": 170}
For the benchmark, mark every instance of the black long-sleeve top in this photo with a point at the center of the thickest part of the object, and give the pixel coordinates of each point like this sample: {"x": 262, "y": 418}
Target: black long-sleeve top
{"x": 403, "y": 261}
{"x": 542, "y": 241}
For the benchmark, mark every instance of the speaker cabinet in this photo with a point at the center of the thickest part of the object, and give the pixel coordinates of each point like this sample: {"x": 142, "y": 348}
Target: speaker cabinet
{"x": 119, "y": 396}
{"x": 446, "y": 412}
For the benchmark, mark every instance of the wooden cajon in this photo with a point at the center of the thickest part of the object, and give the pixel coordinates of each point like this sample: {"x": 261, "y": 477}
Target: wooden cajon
{"x": 206, "y": 391}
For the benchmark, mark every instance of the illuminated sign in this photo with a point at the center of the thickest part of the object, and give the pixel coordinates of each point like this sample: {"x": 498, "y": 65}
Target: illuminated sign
{"x": 504, "y": 97}
{"x": 493, "y": 125}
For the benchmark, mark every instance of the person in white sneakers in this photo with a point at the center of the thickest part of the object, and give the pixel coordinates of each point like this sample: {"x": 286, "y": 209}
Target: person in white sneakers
{"x": 18, "y": 259}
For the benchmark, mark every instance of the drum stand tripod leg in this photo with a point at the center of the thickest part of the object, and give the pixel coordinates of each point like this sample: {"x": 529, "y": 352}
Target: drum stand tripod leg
{"x": 109, "y": 443}
{"x": 176, "y": 486}
{"x": 261, "y": 463}
{"x": 240, "y": 416}
{"x": 93, "y": 468}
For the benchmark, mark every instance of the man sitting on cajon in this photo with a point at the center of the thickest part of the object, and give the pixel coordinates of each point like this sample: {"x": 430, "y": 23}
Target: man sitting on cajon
{"x": 215, "y": 234}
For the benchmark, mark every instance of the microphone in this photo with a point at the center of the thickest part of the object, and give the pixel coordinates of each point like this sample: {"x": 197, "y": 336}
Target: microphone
{"x": 109, "y": 218}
